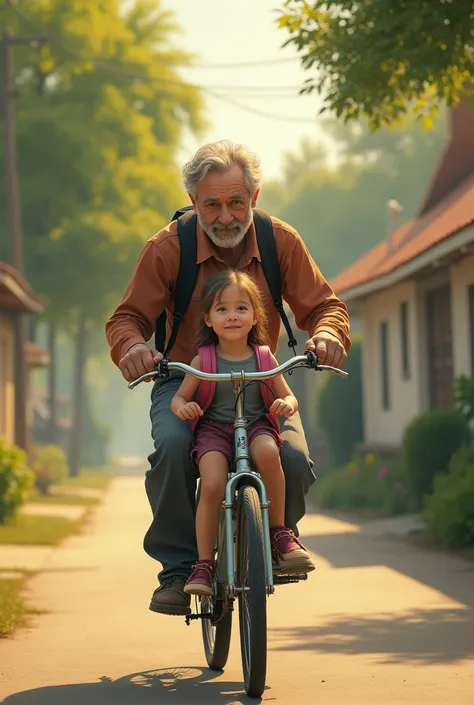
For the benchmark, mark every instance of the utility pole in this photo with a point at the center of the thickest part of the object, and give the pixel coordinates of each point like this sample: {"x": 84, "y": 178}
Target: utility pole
{"x": 13, "y": 213}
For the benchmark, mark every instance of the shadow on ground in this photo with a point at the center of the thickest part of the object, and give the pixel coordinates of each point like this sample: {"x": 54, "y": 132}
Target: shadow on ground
{"x": 449, "y": 574}
{"x": 418, "y": 637}
{"x": 165, "y": 686}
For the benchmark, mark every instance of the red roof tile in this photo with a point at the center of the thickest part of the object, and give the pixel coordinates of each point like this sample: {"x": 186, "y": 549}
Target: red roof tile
{"x": 411, "y": 239}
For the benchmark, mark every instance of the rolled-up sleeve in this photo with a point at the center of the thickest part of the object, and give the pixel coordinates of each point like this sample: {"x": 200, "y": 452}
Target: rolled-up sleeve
{"x": 145, "y": 298}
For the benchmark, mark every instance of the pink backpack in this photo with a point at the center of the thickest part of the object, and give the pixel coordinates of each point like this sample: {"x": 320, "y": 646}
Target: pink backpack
{"x": 208, "y": 363}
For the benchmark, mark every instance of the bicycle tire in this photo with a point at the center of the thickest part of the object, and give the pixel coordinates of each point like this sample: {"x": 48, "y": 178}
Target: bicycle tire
{"x": 252, "y": 604}
{"x": 216, "y": 636}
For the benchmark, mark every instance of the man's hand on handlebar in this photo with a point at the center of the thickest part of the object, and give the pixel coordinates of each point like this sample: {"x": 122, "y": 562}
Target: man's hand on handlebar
{"x": 328, "y": 348}
{"x": 139, "y": 360}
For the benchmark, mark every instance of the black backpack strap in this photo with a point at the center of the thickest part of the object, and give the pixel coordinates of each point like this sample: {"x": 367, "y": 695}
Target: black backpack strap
{"x": 185, "y": 282}
{"x": 271, "y": 266}
{"x": 181, "y": 211}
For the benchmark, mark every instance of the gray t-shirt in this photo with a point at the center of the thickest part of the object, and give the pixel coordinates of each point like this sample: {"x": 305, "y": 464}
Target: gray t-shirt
{"x": 223, "y": 403}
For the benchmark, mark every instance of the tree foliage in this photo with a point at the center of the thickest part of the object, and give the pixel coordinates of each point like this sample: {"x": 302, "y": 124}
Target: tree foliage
{"x": 100, "y": 114}
{"x": 384, "y": 58}
{"x": 340, "y": 210}
{"x": 100, "y": 111}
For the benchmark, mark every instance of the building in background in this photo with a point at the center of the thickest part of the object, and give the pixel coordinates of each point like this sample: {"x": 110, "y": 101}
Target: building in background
{"x": 414, "y": 292}
{"x": 16, "y": 298}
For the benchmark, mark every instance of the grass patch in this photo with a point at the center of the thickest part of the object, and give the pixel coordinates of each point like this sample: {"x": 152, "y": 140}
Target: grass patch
{"x": 70, "y": 499}
{"x": 90, "y": 479}
{"x": 39, "y": 531}
{"x": 14, "y": 612}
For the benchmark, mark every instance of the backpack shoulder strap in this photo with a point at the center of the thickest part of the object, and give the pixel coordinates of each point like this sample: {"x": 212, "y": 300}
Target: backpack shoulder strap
{"x": 271, "y": 266}
{"x": 181, "y": 211}
{"x": 265, "y": 363}
{"x": 264, "y": 358}
{"x": 207, "y": 363}
{"x": 185, "y": 282}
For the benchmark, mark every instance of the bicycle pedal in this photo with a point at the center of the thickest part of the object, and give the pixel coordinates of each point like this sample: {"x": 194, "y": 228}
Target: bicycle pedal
{"x": 290, "y": 578}
{"x": 199, "y": 615}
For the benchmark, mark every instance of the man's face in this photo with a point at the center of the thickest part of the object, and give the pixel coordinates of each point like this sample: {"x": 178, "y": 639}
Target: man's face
{"x": 224, "y": 207}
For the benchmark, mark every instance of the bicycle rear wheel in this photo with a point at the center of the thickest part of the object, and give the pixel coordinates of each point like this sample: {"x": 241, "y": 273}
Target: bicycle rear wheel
{"x": 252, "y": 601}
{"x": 216, "y": 632}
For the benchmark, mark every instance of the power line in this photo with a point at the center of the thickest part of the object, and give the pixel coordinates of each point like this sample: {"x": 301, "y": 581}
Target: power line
{"x": 210, "y": 90}
{"x": 231, "y": 65}
{"x": 54, "y": 39}
{"x": 248, "y": 64}
{"x": 260, "y": 113}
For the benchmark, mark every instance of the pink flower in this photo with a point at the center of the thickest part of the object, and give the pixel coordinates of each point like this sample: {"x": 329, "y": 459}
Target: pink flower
{"x": 383, "y": 472}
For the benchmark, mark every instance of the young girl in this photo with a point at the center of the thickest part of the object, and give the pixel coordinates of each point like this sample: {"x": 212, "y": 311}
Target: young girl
{"x": 234, "y": 321}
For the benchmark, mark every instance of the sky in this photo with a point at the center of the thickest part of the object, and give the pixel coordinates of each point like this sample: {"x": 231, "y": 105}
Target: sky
{"x": 236, "y": 31}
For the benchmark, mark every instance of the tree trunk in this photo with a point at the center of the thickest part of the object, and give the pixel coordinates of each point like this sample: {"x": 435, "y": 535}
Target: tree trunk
{"x": 78, "y": 401}
{"x": 52, "y": 392}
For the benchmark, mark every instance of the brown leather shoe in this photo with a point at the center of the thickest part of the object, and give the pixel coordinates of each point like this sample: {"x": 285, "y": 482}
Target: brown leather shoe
{"x": 170, "y": 598}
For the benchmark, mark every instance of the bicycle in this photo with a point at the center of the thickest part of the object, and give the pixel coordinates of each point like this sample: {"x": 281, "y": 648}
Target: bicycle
{"x": 243, "y": 551}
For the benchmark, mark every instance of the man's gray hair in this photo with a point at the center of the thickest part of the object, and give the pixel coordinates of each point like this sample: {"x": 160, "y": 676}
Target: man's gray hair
{"x": 221, "y": 156}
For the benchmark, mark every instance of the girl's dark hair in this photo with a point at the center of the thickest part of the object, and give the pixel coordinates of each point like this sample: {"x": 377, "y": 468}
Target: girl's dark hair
{"x": 213, "y": 290}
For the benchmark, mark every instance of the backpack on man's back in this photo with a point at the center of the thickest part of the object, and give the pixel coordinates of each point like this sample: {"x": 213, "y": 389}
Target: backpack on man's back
{"x": 188, "y": 272}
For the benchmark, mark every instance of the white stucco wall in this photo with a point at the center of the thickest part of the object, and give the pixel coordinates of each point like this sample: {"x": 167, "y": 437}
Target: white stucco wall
{"x": 385, "y": 426}
{"x": 7, "y": 390}
{"x": 462, "y": 276}
{"x": 409, "y": 397}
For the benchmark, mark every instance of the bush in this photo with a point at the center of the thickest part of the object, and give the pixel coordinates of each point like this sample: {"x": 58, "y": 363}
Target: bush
{"x": 366, "y": 483}
{"x": 16, "y": 480}
{"x": 340, "y": 409}
{"x": 50, "y": 467}
{"x": 464, "y": 396}
{"x": 449, "y": 512}
{"x": 429, "y": 443}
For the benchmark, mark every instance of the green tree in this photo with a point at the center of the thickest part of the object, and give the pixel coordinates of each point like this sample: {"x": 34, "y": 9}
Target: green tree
{"x": 340, "y": 211}
{"x": 384, "y": 58}
{"x": 97, "y": 151}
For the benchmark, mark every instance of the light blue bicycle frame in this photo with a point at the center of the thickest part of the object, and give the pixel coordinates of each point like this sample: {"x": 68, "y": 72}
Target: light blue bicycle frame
{"x": 243, "y": 466}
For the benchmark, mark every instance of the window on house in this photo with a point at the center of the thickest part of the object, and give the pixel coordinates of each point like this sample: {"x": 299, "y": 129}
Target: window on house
{"x": 471, "y": 324}
{"x": 384, "y": 365}
{"x": 404, "y": 339}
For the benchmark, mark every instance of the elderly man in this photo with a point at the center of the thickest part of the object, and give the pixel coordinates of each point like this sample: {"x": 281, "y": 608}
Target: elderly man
{"x": 223, "y": 183}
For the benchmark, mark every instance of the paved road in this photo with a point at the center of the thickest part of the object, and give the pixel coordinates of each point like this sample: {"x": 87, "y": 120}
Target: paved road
{"x": 378, "y": 622}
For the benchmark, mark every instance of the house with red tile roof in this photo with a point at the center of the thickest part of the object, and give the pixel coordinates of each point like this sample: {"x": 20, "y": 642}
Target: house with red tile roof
{"x": 414, "y": 293}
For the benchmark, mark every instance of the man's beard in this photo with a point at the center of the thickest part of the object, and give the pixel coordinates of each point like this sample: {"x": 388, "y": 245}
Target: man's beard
{"x": 218, "y": 234}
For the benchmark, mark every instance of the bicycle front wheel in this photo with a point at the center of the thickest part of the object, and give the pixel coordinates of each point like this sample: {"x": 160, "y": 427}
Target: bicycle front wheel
{"x": 253, "y": 598}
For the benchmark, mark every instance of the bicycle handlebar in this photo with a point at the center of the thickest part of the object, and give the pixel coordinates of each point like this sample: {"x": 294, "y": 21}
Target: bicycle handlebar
{"x": 309, "y": 360}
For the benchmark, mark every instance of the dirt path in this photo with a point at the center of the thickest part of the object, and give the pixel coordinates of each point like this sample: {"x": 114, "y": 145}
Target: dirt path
{"x": 377, "y": 622}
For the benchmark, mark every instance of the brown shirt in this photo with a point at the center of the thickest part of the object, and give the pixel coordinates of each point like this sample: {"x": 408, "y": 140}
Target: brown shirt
{"x": 314, "y": 304}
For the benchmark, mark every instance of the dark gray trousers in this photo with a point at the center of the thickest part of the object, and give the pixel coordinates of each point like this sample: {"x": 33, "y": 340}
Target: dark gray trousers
{"x": 171, "y": 482}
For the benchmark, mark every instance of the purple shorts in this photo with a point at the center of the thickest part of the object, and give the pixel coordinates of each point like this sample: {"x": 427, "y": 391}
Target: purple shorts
{"x": 215, "y": 435}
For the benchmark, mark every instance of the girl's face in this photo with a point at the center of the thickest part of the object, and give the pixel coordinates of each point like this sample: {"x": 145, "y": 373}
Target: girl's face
{"x": 232, "y": 315}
